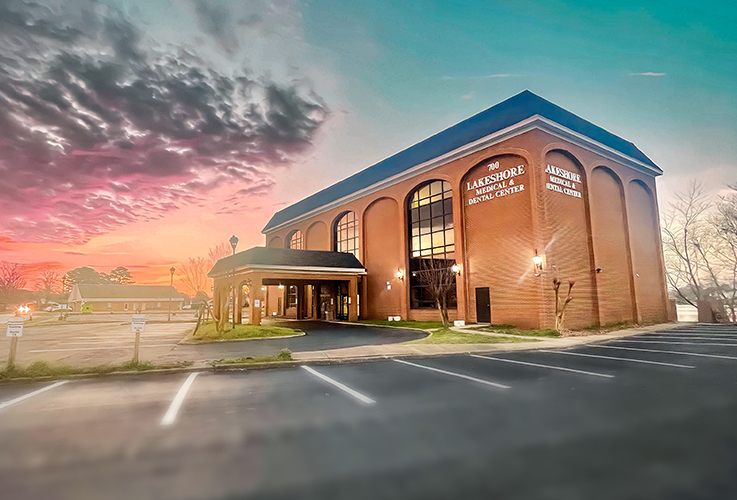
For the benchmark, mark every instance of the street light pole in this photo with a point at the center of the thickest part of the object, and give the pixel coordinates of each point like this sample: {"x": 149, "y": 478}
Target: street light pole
{"x": 171, "y": 284}
{"x": 233, "y": 243}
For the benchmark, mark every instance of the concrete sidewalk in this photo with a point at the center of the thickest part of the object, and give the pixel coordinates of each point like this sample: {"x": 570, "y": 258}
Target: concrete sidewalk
{"x": 402, "y": 350}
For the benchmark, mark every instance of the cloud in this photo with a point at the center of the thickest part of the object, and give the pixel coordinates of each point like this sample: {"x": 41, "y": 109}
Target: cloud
{"x": 647, "y": 73}
{"x": 100, "y": 126}
{"x": 216, "y": 20}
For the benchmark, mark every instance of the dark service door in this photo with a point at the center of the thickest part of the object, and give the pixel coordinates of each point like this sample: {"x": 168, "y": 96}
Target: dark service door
{"x": 483, "y": 305}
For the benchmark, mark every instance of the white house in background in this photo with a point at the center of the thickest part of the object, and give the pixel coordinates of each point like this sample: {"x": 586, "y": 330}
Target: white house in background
{"x": 125, "y": 298}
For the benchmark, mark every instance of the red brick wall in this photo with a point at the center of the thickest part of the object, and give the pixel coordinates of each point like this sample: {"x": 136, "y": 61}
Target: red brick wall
{"x": 499, "y": 242}
{"x": 317, "y": 237}
{"x": 383, "y": 256}
{"x": 565, "y": 231}
{"x": 646, "y": 254}
{"x": 611, "y": 247}
{"x": 497, "y": 239}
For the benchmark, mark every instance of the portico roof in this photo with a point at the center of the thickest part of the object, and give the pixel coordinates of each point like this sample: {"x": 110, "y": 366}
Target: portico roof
{"x": 286, "y": 260}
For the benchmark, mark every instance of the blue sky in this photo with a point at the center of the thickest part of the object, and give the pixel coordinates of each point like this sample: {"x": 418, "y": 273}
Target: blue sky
{"x": 661, "y": 74}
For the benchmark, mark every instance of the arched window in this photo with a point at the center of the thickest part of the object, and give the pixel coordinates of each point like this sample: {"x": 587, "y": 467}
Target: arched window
{"x": 431, "y": 239}
{"x": 345, "y": 233}
{"x": 294, "y": 241}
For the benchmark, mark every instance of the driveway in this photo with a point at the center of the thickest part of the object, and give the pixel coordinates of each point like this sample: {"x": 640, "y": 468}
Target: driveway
{"x": 319, "y": 336}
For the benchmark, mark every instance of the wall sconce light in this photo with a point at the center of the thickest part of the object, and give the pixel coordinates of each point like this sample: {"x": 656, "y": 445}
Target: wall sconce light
{"x": 538, "y": 261}
{"x": 280, "y": 287}
{"x": 456, "y": 269}
{"x": 263, "y": 288}
{"x": 399, "y": 274}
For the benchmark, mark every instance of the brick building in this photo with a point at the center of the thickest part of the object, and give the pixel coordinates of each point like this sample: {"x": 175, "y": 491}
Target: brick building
{"x": 522, "y": 182}
{"x": 124, "y": 298}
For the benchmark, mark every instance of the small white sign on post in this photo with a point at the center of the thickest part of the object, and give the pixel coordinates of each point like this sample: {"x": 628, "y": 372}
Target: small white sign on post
{"x": 138, "y": 323}
{"x": 15, "y": 327}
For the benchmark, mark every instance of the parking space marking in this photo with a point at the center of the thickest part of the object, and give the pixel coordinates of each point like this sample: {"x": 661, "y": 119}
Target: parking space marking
{"x": 675, "y": 343}
{"x": 453, "y": 374}
{"x": 99, "y": 348}
{"x": 665, "y": 352}
{"x": 171, "y": 413}
{"x": 674, "y": 365}
{"x": 686, "y": 337}
{"x": 551, "y": 367}
{"x": 31, "y": 394}
{"x": 342, "y": 387}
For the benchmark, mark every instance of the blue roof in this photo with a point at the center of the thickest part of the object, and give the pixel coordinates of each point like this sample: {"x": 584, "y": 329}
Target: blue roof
{"x": 505, "y": 114}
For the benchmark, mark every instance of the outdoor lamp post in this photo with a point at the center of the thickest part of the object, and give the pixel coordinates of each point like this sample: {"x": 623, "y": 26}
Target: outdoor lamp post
{"x": 233, "y": 243}
{"x": 171, "y": 284}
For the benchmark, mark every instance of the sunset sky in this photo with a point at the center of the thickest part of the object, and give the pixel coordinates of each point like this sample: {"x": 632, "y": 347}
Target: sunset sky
{"x": 143, "y": 132}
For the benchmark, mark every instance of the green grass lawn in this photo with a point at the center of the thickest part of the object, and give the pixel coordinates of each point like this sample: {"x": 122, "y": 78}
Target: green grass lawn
{"x": 284, "y": 355}
{"x": 420, "y": 325}
{"x": 207, "y": 332}
{"x": 512, "y": 330}
{"x": 40, "y": 369}
{"x": 441, "y": 336}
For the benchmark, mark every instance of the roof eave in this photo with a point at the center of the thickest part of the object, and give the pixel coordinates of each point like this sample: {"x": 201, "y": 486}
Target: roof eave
{"x": 534, "y": 122}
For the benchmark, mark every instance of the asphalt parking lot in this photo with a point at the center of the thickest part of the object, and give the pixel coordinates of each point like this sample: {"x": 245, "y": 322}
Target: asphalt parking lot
{"x": 108, "y": 340}
{"x": 650, "y": 416}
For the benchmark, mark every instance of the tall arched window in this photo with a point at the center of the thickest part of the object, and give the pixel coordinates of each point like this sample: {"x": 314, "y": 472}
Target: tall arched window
{"x": 345, "y": 233}
{"x": 431, "y": 238}
{"x": 294, "y": 241}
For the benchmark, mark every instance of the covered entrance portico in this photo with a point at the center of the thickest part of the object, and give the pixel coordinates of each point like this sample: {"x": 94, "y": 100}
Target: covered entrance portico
{"x": 299, "y": 284}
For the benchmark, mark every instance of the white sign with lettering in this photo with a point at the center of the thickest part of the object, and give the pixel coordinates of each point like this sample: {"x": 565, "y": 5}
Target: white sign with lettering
{"x": 563, "y": 181}
{"x": 138, "y": 323}
{"x": 15, "y": 327}
{"x": 496, "y": 185}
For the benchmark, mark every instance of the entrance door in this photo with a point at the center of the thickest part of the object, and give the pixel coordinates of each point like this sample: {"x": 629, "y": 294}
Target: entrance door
{"x": 483, "y": 305}
{"x": 342, "y": 309}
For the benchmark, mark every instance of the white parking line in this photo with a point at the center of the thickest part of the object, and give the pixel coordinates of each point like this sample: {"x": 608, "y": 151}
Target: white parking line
{"x": 551, "y": 367}
{"x": 171, "y": 413}
{"x": 459, "y": 375}
{"x": 31, "y": 394}
{"x": 686, "y": 337}
{"x": 675, "y": 343}
{"x": 99, "y": 348}
{"x": 701, "y": 334}
{"x": 665, "y": 352}
{"x": 342, "y": 387}
{"x": 620, "y": 359}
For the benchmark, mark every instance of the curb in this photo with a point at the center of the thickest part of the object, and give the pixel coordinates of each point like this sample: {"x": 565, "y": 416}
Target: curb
{"x": 184, "y": 341}
{"x": 201, "y": 367}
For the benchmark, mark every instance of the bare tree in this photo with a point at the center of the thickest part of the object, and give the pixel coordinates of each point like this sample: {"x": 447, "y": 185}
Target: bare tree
{"x": 218, "y": 252}
{"x": 724, "y": 271}
{"x": 12, "y": 279}
{"x": 560, "y": 308}
{"x": 438, "y": 277}
{"x": 12, "y": 276}
{"x": 685, "y": 241}
{"x": 48, "y": 281}
{"x": 194, "y": 275}
{"x": 700, "y": 246}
